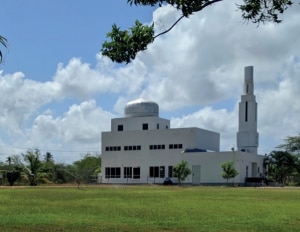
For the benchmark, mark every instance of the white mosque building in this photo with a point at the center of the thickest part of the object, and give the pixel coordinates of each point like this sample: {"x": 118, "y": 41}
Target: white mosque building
{"x": 142, "y": 147}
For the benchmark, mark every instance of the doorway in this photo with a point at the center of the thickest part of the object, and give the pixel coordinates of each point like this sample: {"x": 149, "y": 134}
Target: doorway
{"x": 196, "y": 174}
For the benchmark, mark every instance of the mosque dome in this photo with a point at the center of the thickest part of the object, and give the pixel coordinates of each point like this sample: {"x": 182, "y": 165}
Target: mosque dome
{"x": 141, "y": 108}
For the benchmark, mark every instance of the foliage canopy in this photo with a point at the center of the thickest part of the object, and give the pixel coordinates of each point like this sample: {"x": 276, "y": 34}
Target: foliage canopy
{"x": 124, "y": 45}
{"x": 228, "y": 170}
{"x": 181, "y": 171}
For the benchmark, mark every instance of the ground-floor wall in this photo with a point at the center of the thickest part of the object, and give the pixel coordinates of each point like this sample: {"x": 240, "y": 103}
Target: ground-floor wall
{"x": 154, "y": 168}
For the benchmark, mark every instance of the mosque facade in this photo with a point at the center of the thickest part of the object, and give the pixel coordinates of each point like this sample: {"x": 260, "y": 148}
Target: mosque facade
{"x": 142, "y": 148}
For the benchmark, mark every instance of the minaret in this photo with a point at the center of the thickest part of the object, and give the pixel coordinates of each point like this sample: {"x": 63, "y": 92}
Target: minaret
{"x": 247, "y": 136}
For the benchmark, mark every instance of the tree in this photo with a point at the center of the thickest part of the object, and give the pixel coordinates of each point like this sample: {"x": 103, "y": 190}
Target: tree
{"x": 3, "y": 42}
{"x": 34, "y": 164}
{"x": 292, "y": 144}
{"x": 280, "y": 165}
{"x": 125, "y": 44}
{"x": 228, "y": 170}
{"x": 15, "y": 168}
{"x": 181, "y": 171}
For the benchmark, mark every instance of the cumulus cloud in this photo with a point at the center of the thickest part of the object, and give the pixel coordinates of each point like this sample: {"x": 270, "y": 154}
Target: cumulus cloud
{"x": 199, "y": 65}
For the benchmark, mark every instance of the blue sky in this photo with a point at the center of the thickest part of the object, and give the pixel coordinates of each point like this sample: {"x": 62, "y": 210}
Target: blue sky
{"x": 59, "y": 93}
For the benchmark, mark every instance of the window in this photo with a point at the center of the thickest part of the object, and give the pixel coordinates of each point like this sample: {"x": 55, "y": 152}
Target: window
{"x": 170, "y": 171}
{"x": 163, "y": 146}
{"x": 113, "y": 148}
{"x": 157, "y": 126}
{"x": 127, "y": 172}
{"x": 132, "y": 148}
{"x": 145, "y": 126}
{"x": 246, "y": 112}
{"x": 162, "y": 171}
{"x": 175, "y": 146}
{"x": 120, "y": 127}
{"x": 157, "y": 172}
{"x": 137, "y": 173}
{"x": 151, "y": 147}
{"x": 112, "y": 172}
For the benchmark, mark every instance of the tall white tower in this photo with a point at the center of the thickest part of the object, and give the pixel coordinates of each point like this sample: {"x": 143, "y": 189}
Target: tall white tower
{"x": 247, "y": 136}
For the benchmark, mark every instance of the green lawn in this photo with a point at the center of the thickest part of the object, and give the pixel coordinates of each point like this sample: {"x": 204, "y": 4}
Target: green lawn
{"x": 149, "y": 208}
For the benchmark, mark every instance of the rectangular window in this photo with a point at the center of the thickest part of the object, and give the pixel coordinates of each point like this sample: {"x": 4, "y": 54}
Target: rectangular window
{"x": 170, "y": 171}
{"x": 138, "y": 147}
{"x": 130, "y": 148}
{"x": 151, "y": 147}
{"x": 145, "y": 126}
{"x": 170, "y": 146}
{"x": 106, "y": 148}
{"x": 127, "y": 172}
{"x": 125, "y": 148}
{"x": 163, "y": 146}
{"x": 180, "y": 146}
{"x": 120, "y": 127}
{"x": 175, "y": 146}
{"x": 112, "y": 172}
{"x": 246, "y": 112}
{"x": 111, "y": 148}
{"x": 137, "y": 173}
{"x": 155, "y": 147}
{"x": 162, "y": 171}
{"x": 154, "y": 172}
{"x": 119, "y": 148}
{"x": 157, "y": 126}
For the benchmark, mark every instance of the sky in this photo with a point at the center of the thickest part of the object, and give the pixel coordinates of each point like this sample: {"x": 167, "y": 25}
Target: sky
{"x": 58, "y": 93}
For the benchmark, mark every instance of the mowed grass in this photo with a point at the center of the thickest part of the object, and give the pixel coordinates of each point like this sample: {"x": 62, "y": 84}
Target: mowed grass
{"x": 149, "y": 208}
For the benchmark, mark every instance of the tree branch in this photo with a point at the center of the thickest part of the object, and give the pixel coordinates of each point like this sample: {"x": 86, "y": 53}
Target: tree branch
{"x": 177, "y": 21}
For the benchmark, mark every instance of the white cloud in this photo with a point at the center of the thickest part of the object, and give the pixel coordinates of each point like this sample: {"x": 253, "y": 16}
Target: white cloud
{"x": 198, "y": 64}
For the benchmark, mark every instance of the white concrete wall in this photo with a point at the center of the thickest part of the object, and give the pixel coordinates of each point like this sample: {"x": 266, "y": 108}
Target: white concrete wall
{"x": 136, "y": 124}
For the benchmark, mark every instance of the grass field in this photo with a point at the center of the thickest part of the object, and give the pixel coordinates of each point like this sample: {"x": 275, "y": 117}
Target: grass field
{"x": 149, "y": 208}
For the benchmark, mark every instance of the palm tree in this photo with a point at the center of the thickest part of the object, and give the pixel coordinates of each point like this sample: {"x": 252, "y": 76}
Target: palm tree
{"x": 34, "y": 164}
{"x": 3, "y": 42}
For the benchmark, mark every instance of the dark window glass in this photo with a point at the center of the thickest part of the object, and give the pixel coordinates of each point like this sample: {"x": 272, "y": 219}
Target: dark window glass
{"x": 170, "y": 171}
{"x": 155, "y": 147}
{"x": 170, "y": 146}
{"x": 163, "y": 146}
{"x": 139, "y": 147}
{"x": 162, "y": 171}
{"x": 106, "y": 148}
{"x": 130, "y": 148}
{"x": 136, "y": 173}
{"x": 180, "y": 146}
{"x": 118, "y": 172}
{"x": 145, "y": 126}
{"x": 111, "y": 148}
{"x": 158, "y": 146}
{"x": 134, "y": 148}
{"x": 120, "y": 127}
{"x": 119, "y": 148}
{"x": 151, "y": 147}
{"x": 125, "y": 148}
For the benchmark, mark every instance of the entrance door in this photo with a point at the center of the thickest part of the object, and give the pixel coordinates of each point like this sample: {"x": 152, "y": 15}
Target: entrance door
{"x": 196, "y": 174}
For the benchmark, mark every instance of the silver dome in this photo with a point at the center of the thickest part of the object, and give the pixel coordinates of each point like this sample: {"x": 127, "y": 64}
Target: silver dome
{"x": 141, "y": 108}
